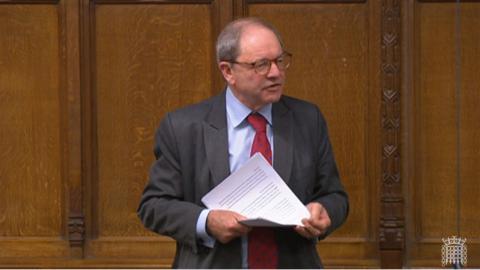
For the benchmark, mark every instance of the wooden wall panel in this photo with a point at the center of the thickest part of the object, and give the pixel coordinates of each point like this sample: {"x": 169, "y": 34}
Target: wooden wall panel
{"x": 32, "y": 180}
{"x": 470, "y": 126}
{"x": 434, "y": 157}
{"x": 335, "y": 66}
{"x": 148, "y": 59}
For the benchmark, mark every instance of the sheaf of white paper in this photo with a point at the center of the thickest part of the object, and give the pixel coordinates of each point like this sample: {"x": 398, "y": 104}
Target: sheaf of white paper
{"x": 257, "y": 192}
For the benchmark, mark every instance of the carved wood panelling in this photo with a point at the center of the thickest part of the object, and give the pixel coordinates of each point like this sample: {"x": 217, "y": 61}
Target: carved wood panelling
{"x": 84, "y": 83}
{"x": 391, "y": 219}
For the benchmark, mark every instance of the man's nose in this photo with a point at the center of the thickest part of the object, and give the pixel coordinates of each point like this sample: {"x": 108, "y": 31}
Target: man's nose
{"x": 274, "y": 70}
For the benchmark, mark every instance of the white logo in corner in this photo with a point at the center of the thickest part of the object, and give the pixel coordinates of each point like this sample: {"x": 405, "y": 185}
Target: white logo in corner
{"x": 454, "y": 251}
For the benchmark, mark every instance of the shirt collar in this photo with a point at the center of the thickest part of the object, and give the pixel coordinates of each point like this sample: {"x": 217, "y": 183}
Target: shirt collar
{"x": 237, "y": 111}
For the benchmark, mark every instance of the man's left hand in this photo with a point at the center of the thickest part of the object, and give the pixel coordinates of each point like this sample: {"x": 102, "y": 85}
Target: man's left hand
{"x": 317, "y": 224}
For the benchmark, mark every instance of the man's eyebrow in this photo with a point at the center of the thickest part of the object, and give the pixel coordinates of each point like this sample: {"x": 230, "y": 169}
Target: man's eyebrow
{"x": 280, "y": 55}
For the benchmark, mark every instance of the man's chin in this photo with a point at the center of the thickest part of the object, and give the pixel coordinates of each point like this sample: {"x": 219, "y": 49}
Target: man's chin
{"x": 273, "y": 97}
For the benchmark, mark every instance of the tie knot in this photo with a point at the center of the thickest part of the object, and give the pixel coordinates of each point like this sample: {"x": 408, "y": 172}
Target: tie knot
{"x": 258, "y": 122}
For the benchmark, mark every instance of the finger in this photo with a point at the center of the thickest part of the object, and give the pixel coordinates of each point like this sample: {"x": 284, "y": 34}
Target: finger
{"x": 308, "y": 232}
{"x": 319, "y": 219}
{"x": 319, "y": 224}
{"x": 302, "y": 231}
{"x": 240, "y": 228}
{"x": 312, "y": 231}
{"x": 316, "y": 210}
{"x": 224, "y": 225}
{"x": 308, "y": 229}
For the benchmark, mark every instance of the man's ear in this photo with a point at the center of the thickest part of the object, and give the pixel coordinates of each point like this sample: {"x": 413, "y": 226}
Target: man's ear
{"x": 226, "y": 69}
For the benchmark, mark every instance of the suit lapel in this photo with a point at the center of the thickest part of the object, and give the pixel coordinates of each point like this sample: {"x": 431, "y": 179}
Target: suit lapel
{"x": 216, "y": 140}
{"x": 282, "y": 120}
{"x": 215, "y": 136}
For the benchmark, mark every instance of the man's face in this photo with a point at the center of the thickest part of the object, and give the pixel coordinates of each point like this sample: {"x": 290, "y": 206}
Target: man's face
{"x": 253, "y": 89}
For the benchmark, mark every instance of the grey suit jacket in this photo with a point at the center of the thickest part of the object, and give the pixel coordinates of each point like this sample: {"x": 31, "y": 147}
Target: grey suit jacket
{"x": 191, "y": 149}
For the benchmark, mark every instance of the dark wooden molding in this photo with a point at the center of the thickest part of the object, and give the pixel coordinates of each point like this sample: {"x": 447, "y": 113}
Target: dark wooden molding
{"x": 30, "y": 2}
{"x": 76, "y": 230}
{"x": 447, "y": 1}
{"x": 391, "y": 233}
{"x": 303, "y": 1}
{"x": 222, "y": 13}
{"x": 88, "y": 109}
{"x": 240, "y": 8}
{"x": 69, "y": 21}
{"x": 153, "y": 1}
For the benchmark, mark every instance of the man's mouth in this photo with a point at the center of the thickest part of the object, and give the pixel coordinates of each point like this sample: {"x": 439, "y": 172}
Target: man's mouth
{"x": 273, "y": 86}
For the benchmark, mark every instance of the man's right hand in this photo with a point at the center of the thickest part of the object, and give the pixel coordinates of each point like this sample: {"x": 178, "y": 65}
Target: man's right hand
{"x": 224, "y": 225}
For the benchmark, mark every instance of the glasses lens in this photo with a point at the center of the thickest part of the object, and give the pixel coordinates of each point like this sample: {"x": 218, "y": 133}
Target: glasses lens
{"x": 283, "y": 62}
{"x": 262, "y": 66}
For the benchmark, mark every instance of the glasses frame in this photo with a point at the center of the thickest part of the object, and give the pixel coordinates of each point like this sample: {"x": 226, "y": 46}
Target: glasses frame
{"x": 254, "y": 65}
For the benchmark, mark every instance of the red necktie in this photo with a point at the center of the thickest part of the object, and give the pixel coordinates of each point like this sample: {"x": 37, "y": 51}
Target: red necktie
{"x": 262, "y": 247}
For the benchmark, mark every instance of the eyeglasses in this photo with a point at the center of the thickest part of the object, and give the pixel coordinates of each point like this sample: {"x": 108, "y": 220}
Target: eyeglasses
{"x": 263, "y": 66}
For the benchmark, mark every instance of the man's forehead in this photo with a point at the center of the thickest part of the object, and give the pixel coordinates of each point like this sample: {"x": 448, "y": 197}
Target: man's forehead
{"x": 256, "y": 39}
{"x": 254, "y": 31}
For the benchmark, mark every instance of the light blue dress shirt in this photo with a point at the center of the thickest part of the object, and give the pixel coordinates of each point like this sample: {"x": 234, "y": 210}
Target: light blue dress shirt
{"x": 240, "y": 139}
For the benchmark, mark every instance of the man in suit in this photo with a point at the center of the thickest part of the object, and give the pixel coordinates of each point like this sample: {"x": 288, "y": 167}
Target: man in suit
{"x": 200, "y": 145}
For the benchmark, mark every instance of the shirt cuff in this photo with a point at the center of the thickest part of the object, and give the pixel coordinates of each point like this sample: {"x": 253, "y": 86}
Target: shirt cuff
{"x": 202, "y": 234}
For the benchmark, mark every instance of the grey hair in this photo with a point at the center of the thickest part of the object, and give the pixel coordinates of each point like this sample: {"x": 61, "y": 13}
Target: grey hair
{"x": 228, "y": 42}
